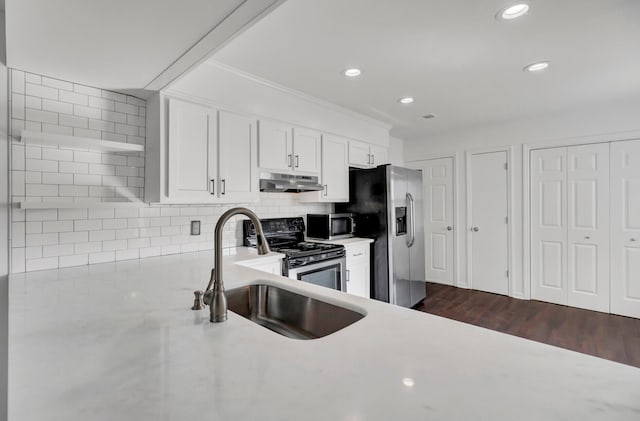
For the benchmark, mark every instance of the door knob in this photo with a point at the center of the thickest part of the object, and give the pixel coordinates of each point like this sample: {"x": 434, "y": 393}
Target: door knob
{"x": 475, "y": 229}
{"x": 449, "y": 228}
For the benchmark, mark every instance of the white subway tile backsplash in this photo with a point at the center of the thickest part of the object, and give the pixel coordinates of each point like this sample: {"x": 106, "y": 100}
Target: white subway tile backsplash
{"x": 18, "y": 232}
{"x": 17, "y": 81}
{"x": 42, "y": 215}
{"x": 114, "y": 95}
{"x": 88, "y": 225}
{"x": 135, "y": 243}
{"x": 112, "y": 180}
{"x": 98, "y": 213}
{"x": 18, "y": 179}
{"x": 101, "y": 191}
{"x": 41, "y": 116}
{"x": 82, "y": 89}
{"x": 83, "y": 111}
{"x": 31, "y": 102}
{"x": 135, "y": 121}
{"x": 114, "y": 116}
{"x": 103, "y": 257}
{"x": 41, "y": 190}
{"x": 74, "y": 167}
{"x": 114, "y": 245}
{"x": 33, "y": 78}
{"x": 136, "y": 101}
{"x": 88, "y": 180}
{"x": 32, "y": 227}
{"x": 41, "y": 264}
{"x": 55, "y": 83}
{"x": 75, "y": 260}
{"x": 126, "y": 233}
{"x": 172, "y": 249}
{"x": 74, "y": 237}
{"x": 103, "y": 126}
{"x": 74, "y": 121}
{"x": 113, "y": 159}
{"x": 103, "y": 235}
{"x": 73, "y": 191}
{"x": 57, "y": 250}
{"x": 127, "y": 254}
{"x": 57, "y": 106}
{"x": 85, "y": 247}
{"x": 150, "y": 232}
{"x": 56, "y": 178}
{"x": 126, "y": 213}
{"x": 126, "y": 129}
{"x": 41, "y": 239}
{"x": 71, "y": 214}
{"x": 33, "y": 252}
{"x": 41, "y": 165}
{"x": 74, "y": 98}
{"x": 127, "y": 108}
{"x": 150, "y": 252}
{"x": 57, "y": 226}
{"x": 17, "y": 106}
{"x": 33, "y": 152}
{"x": 114, "y": 224}
{"x": 41, "y": 91}
{"x": 57, "y": 154}
{"x": 126, "y": 171}
{"x": 92, "y": 134}
{"x": 114, "y": 137}
{"x": 52, "y": 128}
{"x": 102, "y": 103}
{"x": 90, "y": 157}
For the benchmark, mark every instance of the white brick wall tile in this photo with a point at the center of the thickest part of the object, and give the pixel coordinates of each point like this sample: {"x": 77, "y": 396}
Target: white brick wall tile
{"x": 170, "y": 230}
{"x": 32, "y": 102}
{"x": 17, "y": 81}
{"x": 135, "y": 161}
{"x": 42, "y": 215}
{"x": 41, "y": 91}
{"x": 41, "y": 165}
{"x": 57, "y": 154}
{"x": 57, "y": 106}
{"x": 33, "y": 152}
{"x": 142, "y": 132}
{"x": 136, "y": 139}
{"x": 113, "y": 95}
{"x": 179, "y": 239}
{"x": 18, "y": 232}
{"x": 181, "y": 220}
{"x": 114, "y": 224}
{"x": 41, "y": 116}
{"x": 74, "y": 121}
{"x": 104, "y": 235}
{"x": 41, "y": 264}
{"x": 58, "y": 250}
{"x": 17, "y": 106}
{"x": 125, "y": 171}
{"x": 18, "y": 180}
{"x": 41, "y": 190}
{"x": 73, "y": 191}
{"x": 17, "y": 157}
{"x": 136, "y": 243}
{"x": 142, "y": 111}
{"x": 112, "y": 159}
{"x": 88, "y": 90}
{"x": 55, "y": 83}
{"x": 56, "y": 178}
{"x": 41, "y": 239}
{"x": 115, "y": 137}
{"x": 102, "y": 103}
{"x": 100, "y": 191}
{"x": 127, "y": 254}
{"x": 51, "y": 128}
{"x": 74, "y": 237}
{"x": 135, "y": 121}
{"x": 102, "y": 169}
{"x": 34, "y": 252}
{"x": 98, "y": 213}
{"x": 112, "y": 180}
{"x": 83, "y": 111}
{"x": 188, "y": 248}
{"x": 17, "y": 260}
{"x": 33, "y": 126}
{"x": 136, "y": 101}
{"x": 70, "y": 214}
{"x": 74, "y": 167}
{"x": 138, "y": 222}
{"x": 159, "y": 241}
{"x": 33, "y": 78}
{"x": 126, "y": 213}
{"x": 103, "y": 126}
{"x": 169, "y": 211}
{"x": 150, "y": 252}
{"x": 188, "y": 211}
{"x": 114, "y": 116}
{"x": 125, "y": 129}
{"x": 127, "y": 108}
{"x": 114, "y": 245}
{"x": 57, "y": 226}
{"x": 103, "y": 257}
{"x": 76, "y": 260}
{"x": 93, "y": 134}
{"x": 160, "y": 221}
{"x": 88, "y": 180}
{"x": 74, "y": 98}
{"x": 91, "y": 157}
{"x": 32, "y": 227}
{"x": 174, "y": 249}
{"x": 126, "y": 233}
{"x": 88, "y": 225}
{"x": 85, "y": 247}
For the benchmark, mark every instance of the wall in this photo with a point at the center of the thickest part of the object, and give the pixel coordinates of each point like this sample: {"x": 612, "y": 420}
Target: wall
{"x": 53, "y": 238}
{"x": 4, "y": 225}
{"x": 232, "y": 89}
{"x": 614, "y": 120}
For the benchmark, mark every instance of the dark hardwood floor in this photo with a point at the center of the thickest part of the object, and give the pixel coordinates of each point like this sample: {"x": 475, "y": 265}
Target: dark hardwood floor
{"x": 615, "y": 338}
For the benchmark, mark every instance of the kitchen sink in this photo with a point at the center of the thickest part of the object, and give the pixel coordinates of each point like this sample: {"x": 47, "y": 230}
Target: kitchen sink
{"x": 288, "y": 313}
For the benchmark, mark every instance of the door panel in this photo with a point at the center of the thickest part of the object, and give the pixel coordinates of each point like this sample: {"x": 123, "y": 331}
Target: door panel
{"x": 238, "y": 168}
{"x": 359, "y": 155}
{"x": 306, "y": 150}
{"x": 625, "y": 228}
{"x": 416, "y": 251}
{"x": 548, "y": 225}
{"x": 335, "y": 168}
{"x": 489, "y": 226}
{"x": 588, "y": 226}
{"x": 275, "y": 146}
{"x": 400, "y": 284}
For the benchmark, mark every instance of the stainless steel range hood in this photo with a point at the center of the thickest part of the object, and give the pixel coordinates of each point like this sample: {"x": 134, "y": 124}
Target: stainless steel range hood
{"x": 289, "y": 183}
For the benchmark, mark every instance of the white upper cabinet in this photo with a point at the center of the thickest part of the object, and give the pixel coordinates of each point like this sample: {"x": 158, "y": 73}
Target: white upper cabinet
{"x": 334, "y": 174}
{"x": 363, "y": 155}
{"x": 192, "y": 153}
{"x": 275, "y": 146}
{"x": 286, "y": 149}
{"x": 237, "y": 145}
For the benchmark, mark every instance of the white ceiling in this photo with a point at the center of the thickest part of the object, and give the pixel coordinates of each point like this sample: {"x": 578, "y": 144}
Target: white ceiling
{"x": 453, "y": 56}
{"x": 117, "y": 44}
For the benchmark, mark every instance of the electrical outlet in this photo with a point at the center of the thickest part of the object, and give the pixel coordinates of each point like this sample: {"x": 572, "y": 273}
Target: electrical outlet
{"x": 195, "y": 227}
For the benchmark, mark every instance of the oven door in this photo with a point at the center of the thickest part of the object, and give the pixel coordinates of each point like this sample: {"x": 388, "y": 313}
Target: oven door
{"x": 330, "y": 273}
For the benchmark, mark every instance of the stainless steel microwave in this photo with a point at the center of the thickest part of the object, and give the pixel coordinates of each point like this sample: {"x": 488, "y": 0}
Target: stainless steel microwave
{"x": 330, "y": 226}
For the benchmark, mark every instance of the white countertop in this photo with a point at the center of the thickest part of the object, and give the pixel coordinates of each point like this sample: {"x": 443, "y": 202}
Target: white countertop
{"x": 345, "y": 241}
{"x": 117, "y": 341}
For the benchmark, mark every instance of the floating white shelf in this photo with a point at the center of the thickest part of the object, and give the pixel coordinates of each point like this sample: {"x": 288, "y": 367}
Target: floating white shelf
{"x": 61, "y": 204}
{"x": 52, "y": 139}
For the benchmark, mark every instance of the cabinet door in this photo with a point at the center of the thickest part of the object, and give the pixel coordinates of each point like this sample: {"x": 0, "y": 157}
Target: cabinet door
{"x": 625, "y": 228}
{"x": 335, "y": 169}
{"x": 275, "y": 146}
{"x": 238, "y": 172}
{"x": 358, "y": 275}
{"x": 359, "y": 155}
{"x": 306, "y": 150}
{"x": 192, "y": 153}
{"x": 378, "y": 155}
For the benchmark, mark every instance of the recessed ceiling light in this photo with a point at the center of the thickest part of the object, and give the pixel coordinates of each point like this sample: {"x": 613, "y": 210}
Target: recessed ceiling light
{"x": 406, "y": 100}
{"x": 536, "y": 67}
{"x": 513, "y": 11}
{"x": 353, "y": 72}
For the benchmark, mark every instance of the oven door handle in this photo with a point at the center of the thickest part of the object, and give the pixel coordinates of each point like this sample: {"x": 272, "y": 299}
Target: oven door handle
{"x": 412, "y": 222}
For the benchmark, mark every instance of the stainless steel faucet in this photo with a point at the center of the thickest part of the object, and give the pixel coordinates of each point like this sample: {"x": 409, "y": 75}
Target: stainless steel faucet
{"x": 214, "y": 295}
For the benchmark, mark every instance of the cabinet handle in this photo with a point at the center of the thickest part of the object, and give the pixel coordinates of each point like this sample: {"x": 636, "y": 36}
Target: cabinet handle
{"x": 224, "y": 186}
{"x": 213, "y": 186}
{"x": 290, "y": 160}
{"x": 346, "y": 272}
{"x": 297, "y": 161}
{"x": 373, "y": 159}
{"x": 369, "y": 158}
{"x": 326, "y": 190}
{"x": 357, "y": 254}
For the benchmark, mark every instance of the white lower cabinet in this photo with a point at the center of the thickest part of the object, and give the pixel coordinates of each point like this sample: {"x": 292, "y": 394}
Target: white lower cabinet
{"x": 270, "y": 266}
{"x": 358, "y": 270}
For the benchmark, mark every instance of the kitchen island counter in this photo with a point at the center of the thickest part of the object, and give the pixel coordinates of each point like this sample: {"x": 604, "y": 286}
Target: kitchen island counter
{"x": 118, "y": 342}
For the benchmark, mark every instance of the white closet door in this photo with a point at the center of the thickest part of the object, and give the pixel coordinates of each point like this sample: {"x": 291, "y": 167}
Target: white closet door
{"x": 438, "y": 214}
{"x": 588, "y": 226}
{"x": 549, "y": 225}
{"x": 625, "y": 235}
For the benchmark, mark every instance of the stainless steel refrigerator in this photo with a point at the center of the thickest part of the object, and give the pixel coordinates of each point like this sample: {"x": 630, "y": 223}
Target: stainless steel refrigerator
{"x": 388, "y": 205}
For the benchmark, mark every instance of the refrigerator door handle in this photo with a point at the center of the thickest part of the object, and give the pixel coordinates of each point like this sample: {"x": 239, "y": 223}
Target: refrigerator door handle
{"x": 412, "y": 222}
